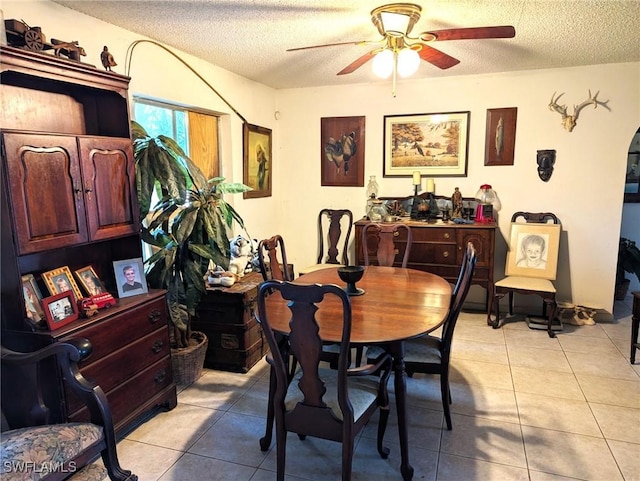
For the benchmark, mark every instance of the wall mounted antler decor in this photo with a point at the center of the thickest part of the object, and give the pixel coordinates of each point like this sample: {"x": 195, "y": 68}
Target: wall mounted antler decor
{"x": 569, "y": 121}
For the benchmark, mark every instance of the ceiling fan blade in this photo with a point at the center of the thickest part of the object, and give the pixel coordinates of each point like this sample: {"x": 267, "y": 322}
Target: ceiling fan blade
{"x": 505, "y": 31}
{"x": 353, "y": 66}
{"x": 436, "y": 57}
{"x": 361, "y": 42}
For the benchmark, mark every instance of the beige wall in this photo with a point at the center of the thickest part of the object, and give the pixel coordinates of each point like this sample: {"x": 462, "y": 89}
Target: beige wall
{"x": 586, "y": 189}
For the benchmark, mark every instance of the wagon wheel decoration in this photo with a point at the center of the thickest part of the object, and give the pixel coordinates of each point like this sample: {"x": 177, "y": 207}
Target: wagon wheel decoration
{"x": 33, "y": 40}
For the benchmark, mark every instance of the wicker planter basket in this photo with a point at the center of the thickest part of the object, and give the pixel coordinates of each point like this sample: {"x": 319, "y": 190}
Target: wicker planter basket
{"x": 187, "y": 363}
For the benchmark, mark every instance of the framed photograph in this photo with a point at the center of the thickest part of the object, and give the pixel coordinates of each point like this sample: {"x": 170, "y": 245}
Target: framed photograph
{"x": 32, "y": 299}
{"x": 257, "y": 161}
{"x": 60, "y": 280}
{"x": 436, "y": 145}
{"x": 60, "y": 309}
{"x": 130, "y": 277}
{"x": 90, "y": 281}
{"x": 533, "y": 250}
{"x": 342, "y": 156}
{"x": 500, "y": 141}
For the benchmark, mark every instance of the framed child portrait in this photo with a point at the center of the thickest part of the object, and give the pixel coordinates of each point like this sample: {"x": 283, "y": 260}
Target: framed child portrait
{"x": 90, "y": 281}
{"x": 60, "y": 280}
{"x": 533, "y": 250}
{"x": 32, "y": 299}
{"x": 258, "y": 161}
{"x": 130, "y": 277}
{"x": 60, "y": 309}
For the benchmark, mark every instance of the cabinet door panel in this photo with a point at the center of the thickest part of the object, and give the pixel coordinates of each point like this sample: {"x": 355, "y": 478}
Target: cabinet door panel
{"x": 109, "y": 187}
{"x": 483, "y": 243}
{"x": 45, "y": 191}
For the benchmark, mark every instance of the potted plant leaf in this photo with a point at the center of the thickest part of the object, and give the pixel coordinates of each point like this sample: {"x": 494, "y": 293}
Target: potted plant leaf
{"x": 189, "y": 226}
{"x": 628, "y": 261}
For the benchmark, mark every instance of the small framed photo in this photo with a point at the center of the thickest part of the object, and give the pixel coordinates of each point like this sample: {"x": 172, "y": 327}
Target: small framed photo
{"x": 258, "y": 161}
{"x": 500, "y": 140}
{"x": 90, "y": 281}
{"x": 130, "y": 277}
{"x": 32, "y": 299}
{"x": 60, "y": 280}
{"x": 60, "y": 309}
{"x": 533, "y": 250}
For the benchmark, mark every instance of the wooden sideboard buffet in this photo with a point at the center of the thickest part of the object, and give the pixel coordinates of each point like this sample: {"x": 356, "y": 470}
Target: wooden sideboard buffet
{"x": 69, "y": 199}
{"x": 439, "y": 248}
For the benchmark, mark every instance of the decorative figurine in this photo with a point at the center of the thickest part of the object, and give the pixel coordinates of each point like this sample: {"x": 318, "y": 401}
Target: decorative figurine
{"x": 107, "y": 59}
{"x": 456, "y": 204}
{"x": 545, "y": 159}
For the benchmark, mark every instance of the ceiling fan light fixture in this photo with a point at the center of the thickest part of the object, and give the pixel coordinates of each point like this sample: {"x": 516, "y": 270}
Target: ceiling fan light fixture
{"x": 408, "y": 62}
{"x": 396, "y": 19}
{"x": 395, "y": 24}
{"x": 383, "y": 63}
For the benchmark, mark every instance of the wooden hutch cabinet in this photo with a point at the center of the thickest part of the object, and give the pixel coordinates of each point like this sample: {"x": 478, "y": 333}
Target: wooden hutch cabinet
{"x": 439, "y": 248}
{"x": 69, "y": 199}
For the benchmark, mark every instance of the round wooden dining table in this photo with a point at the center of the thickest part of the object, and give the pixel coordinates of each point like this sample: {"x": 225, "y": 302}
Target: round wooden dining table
{"x": 397, "y": 304}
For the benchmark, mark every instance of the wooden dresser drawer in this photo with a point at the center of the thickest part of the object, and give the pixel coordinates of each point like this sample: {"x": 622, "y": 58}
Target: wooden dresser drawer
{"x": 129, "y": 396}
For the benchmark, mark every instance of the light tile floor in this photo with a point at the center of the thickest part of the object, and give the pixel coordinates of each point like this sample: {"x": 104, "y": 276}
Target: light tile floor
{"x": 525, "y": 407}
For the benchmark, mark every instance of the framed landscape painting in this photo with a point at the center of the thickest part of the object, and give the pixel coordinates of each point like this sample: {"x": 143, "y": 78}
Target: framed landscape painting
{"x": 436, "y": 145}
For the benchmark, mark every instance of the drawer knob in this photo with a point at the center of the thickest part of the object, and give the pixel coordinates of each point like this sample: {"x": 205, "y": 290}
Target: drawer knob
{"x": 447, "y": 235}
{"x": 154, "y": 316}
{"x": 396, "y": 234}
{"x": 396, "y": 251}
{"x": 445, "y": 254}
{"x": 160, "y": 376}
{"x": 157, "y": 346}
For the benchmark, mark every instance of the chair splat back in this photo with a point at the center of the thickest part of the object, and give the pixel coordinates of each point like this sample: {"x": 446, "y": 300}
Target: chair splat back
{"x": 386, "y": 235}
{"x": 273, "y": 268}
{"x": 334, "y": 234}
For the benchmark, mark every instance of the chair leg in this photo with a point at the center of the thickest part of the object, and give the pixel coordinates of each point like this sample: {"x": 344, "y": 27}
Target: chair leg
{"x": 347, "y": 458}
{"x": 382, "y": 427}
{"x": 552, "y": 314}
{"x": 265, "y": 442}
{"x": 511, "y": 303}
{"x": 281, "y": 449}
{"x": 496, "y": 303}
{"x": 446, "y": 398}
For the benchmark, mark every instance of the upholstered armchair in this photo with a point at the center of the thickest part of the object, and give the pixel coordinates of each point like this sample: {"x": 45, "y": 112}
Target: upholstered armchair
{"x": 44, "y": 451}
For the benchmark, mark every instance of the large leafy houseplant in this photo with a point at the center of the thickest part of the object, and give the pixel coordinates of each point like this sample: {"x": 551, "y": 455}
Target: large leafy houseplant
{"x": 188, "y": 227}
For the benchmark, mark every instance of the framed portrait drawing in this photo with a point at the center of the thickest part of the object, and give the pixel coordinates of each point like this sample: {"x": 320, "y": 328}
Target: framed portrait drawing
{"x": 342, "y": 156}
{"x": 258, "y": 162}
{"x": 60, "y": 309}
{"x": 32, "y": 299}
{"x": 533, "y": 250}
{"x": 60, "y": 280}
{"x": 130, "y": 277}
{"x": 436, "y": 145}
{"x": 90, "y": 281}
{"x": 500, "y": 140}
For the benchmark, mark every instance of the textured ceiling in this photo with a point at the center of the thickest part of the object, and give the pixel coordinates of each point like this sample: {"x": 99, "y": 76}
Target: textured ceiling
{"x": 250, "y": 37}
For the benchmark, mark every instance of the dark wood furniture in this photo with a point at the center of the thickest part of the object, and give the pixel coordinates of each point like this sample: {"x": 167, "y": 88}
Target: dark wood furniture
{"x": 524, "y": 285}
{"x": 337, "y": 251}
{"x": 635, "y": 325}
{"x": 272, "y": 257}
{"x": 68, "y": 199}
{"x": 321, "y": 402}
{"x": 384, "y": 235}
{"x": 57, "y": 443}
{"x": 439, "y": 248}
{"x": 398, "y": 304}
{"x": 226, "y": 315}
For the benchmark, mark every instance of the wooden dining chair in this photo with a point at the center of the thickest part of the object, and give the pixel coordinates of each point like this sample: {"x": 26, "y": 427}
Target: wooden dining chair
{"x": 527, "y": 281}
{"x": 321, "y": 402}
{"x": 272, "y": 258}
{"x": 430, "y": 354}
{"x": 385, "y": 242}
{"x": 334, "y": 230}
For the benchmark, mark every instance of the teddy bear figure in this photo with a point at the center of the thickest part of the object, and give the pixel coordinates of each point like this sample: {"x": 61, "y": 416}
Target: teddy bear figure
{"x": 240, "y": 255}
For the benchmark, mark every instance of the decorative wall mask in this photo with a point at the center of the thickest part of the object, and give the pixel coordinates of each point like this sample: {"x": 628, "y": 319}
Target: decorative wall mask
{"x": 569, "y": 121}
{"x": 545, "y": 159}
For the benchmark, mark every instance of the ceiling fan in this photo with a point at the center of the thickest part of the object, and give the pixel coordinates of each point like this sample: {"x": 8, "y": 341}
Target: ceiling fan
{"x": 395, "y": 22}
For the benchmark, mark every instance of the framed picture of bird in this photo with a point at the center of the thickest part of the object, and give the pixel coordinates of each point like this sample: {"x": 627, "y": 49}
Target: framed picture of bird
{"x": 436, "y": 145}
{"x": 258, "y": 161}
{"x": 342, "y": 156}
{"x": 500, "y": 142}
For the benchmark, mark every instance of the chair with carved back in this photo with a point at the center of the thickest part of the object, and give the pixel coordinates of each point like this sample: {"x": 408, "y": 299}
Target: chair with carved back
{"x": 430, "y": 354}
{"x": 545, "y": 227}
{"x": 334, "y": 229}
{"x": 34, "y": 446}
{"x": 321, "y": 402}
{"x": 272, "y": 257}
{"x": 384, "y": 240}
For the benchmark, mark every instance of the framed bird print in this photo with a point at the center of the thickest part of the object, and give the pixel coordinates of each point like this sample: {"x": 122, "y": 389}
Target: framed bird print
{"x": 257, "y": 171}
{"x": 436, "y": 145}
{"x": 342, "y": 156}
{"x": 500, "y": 141}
